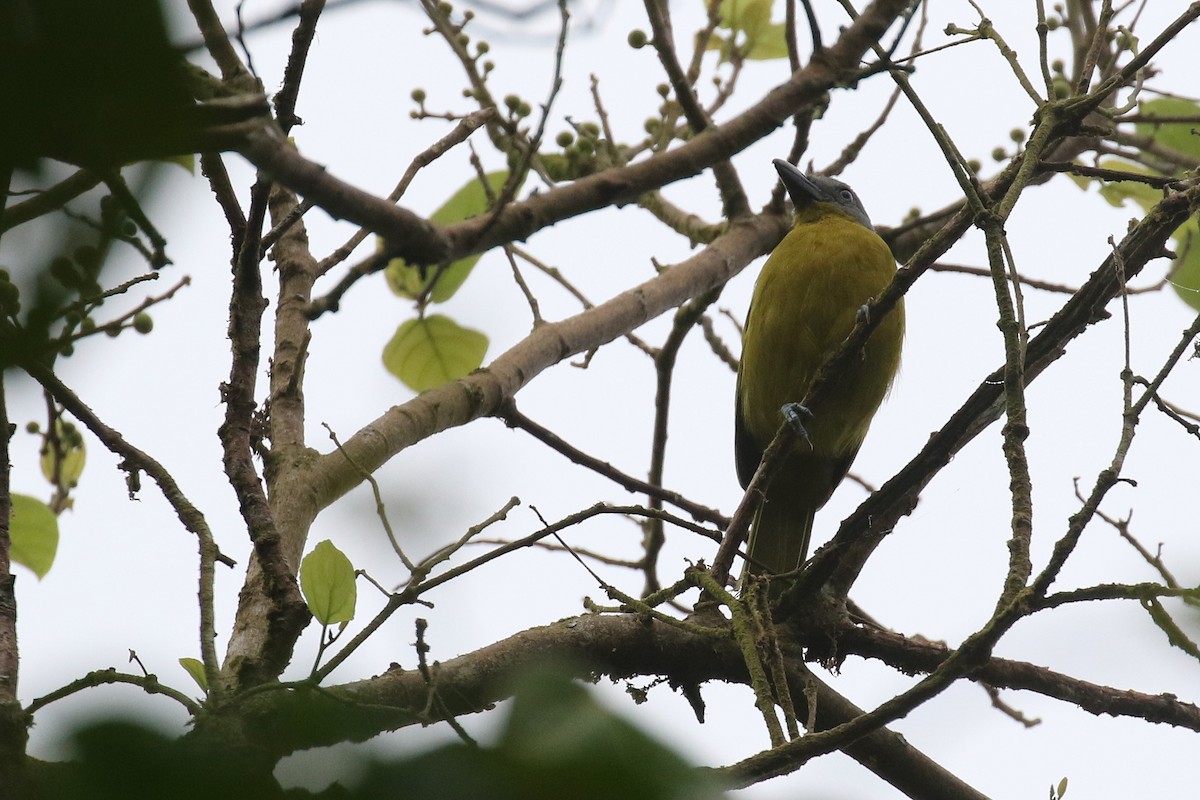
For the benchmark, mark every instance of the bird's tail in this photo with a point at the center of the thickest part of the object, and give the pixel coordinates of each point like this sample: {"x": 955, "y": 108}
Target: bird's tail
{"x": 780, "y": 533}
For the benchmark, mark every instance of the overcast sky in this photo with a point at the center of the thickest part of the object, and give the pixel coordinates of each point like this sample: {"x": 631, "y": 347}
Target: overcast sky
{"x": 125, "y": 575}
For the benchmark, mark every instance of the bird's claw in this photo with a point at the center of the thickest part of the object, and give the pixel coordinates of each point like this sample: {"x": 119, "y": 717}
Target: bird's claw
{"x": 794, "y": 415}
{"x": 863, "y": 315}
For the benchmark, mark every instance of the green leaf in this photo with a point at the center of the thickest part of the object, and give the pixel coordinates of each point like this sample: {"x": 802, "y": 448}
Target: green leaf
{"x": 1177, "y": 136}
{"x": 1082, "y": 181}
{"x": 761, "y": 39}
{"x": 1062, "y": 788}
{"x": 1185, "y": 272}
{"x": 410, "y": 280}
{"x": 195, "y": 668}
{"x": 327, "y": 580}
{"x": 1185, "y": 277}
{"x": 433, "y": 350}
{"x": 1117, "y": 192}
{"x": 753, "y": 17}
{"x": 33, "y": 529}
{"x": 558, "y": 734}
{"x": 771, "y": 43}
{"x": 736, "y": 15}
{"x": 74, "y": 456}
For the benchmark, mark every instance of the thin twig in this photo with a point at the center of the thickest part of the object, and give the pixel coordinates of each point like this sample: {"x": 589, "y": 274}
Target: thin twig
{"x": 134, "y": 460}
{"x": 237, "y": 435}
{"x": 302, "y": 38}
{"x": 733, "y": 195}
{"x": 50, "y": 199}
{"x": 102, "y": 677}
{"x": 465, "y": 127}
{"x": 380, "y": 508}
{"x": 557, "y": 276}
{"x": 684, "y": 322}
{"x": 534, "y": 309}
{"x": 1004, "y": 708}
{"x": 513, "y": 418}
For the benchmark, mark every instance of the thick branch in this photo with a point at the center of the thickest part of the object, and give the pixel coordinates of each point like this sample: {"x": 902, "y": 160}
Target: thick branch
{"x": 420, "y": 242}
{"x": 13, "y": 723}
{"x": 289, "y": 519}
{"x": 618, "y": 646}
{"x": 486, "y": 391}
{"x": 912, "y": 655}
{"x": 297, "y": 272}
{"x": 288, "y": 615}
{"x": 629, "y": 646}
{"x": 483, "y": 392}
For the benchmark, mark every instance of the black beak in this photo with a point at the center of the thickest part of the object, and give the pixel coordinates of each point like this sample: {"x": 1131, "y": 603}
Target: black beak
{"x": 799, "y": 187}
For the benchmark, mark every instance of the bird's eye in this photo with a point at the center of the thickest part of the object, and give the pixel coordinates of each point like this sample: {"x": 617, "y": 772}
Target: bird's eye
{"x": 847, "y": 196}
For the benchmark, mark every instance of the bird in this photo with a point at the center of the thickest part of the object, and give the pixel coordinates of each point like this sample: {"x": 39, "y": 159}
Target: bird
{"x": 806, "y": 301}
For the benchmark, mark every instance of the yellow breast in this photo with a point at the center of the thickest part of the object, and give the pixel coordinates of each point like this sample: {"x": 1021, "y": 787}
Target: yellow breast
{"x": 805, "y": 305}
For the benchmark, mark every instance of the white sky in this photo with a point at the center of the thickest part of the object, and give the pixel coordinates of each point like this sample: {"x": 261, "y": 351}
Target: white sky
{"x": 125, "y": 575}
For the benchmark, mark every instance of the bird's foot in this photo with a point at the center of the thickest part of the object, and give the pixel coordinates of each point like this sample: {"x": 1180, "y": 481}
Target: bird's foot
{"x": 794, "y": 415}
{"x": 863, "y": 315}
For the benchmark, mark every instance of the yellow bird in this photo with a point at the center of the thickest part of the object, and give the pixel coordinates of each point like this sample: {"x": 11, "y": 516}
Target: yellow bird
{"x": 805, "y": 304}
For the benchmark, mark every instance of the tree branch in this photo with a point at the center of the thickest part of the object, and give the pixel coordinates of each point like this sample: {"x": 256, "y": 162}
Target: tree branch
{"x": 419, "y": 241}
{"x": 288, "y": 614}
{"x": 619, "y": 646}
{"x": 485, "y": 391}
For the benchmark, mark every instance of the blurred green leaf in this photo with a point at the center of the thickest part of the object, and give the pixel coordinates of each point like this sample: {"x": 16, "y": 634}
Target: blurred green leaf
{"x": 33, "y": 529}
{"x": 749, "y": 16}
{"x": 578, "y": 748}
{"x": 409, "y": 280}
{"x": 770, "y": 43}
{"x": 433, "y": 350}
{"x": 1177, "y": 136}
{"x": 195, "y": 668}
{"x": 115, "y": 759}
{"x": 738, "y": 15}
{"x": 558, "y": 743}
{"x": 100, "y": 85}
{"x": 327, "y": 580}
{"x": 762, "y": 39}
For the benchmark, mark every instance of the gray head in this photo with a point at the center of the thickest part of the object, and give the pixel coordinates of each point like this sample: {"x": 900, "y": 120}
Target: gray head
{"x": 808, "y": 189}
